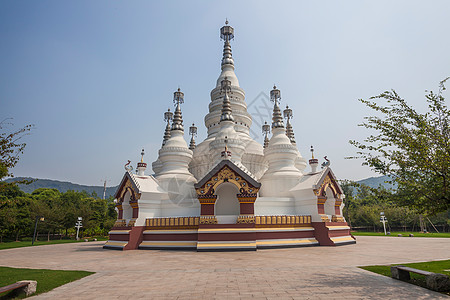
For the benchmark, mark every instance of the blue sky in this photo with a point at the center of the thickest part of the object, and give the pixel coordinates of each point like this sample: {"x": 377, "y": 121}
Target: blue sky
{"x": 96, "y": 76}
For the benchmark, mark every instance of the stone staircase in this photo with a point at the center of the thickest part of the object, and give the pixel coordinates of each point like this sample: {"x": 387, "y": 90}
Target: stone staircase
{"x": 226, "y": 237}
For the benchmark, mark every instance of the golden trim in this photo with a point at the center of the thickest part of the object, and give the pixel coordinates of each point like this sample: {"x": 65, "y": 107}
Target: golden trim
{"x": 208, "y": 220}
{"x": 226, "y": 175}
{"x": 337, "y": 218}
{"x": 120, "y": 223}
{"x": 116, "y": 243}
{"x": 225, "y": 245}
{"x": 342, "y": 239}
{"x": 167, "y": 243}
{"x": 246, "y": 219}
{"x": 286, "y": 242}
{"x": 172, "y": 222}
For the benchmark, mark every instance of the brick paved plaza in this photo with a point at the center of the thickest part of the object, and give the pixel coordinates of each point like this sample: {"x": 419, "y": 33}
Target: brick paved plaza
{"x": 296, "y": 273}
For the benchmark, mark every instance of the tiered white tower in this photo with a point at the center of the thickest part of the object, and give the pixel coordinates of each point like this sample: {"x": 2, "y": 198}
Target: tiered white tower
{"x": 281, "y": 154}
{"x": 300, "y": 162}
{"x": 204, "y": 154}
{"x": 174, "y": 157}
{"x": 227, "y": 135}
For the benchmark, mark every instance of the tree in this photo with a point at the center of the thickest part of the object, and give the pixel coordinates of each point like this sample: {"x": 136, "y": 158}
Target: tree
{"x": 411, "y": 147}
{"x": 10, "y": 149}
{"x": 46, "y": 204}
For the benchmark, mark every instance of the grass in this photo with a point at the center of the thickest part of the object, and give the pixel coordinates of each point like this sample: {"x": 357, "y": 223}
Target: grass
{"x": 46, "y": 279}
{"x": 404, "y": 233}
{"x": 441, "y": 266}
{"x": 27, "y": 243}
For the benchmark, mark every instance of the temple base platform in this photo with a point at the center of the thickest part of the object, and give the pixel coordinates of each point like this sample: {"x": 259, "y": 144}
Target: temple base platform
{"x": 188, "y": 233}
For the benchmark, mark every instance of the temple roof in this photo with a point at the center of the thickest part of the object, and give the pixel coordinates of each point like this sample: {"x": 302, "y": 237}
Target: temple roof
{"x": 140, "y": 184}
{"x": 315, "y": 180}
{"x": 236, "y": 167}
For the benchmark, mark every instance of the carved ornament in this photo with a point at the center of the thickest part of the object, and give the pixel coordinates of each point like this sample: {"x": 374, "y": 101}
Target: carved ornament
{"x": 208, "y": 220}
{"x": 226, "y": 175}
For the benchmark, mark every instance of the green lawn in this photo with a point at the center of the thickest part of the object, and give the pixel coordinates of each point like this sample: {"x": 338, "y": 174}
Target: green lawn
{"x": 404, "y": 233}
{"x": 46, "y": 279}
{"x": 441, "y": 266}
{"x": 27, "y": 243}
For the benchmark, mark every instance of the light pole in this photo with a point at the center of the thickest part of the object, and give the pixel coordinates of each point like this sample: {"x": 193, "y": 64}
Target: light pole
{"x": 78, "y": 225}
{"x": 41, "y": 218}
{"x": 383, "y": 220}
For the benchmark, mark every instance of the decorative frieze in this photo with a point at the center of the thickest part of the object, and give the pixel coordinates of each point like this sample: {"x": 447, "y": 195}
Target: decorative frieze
{"x": 132, "y": 222}
{"x": 336, "y": 218}
{"x": 247, "y": 198}
{"x": 172, "y": 222}
{"x": 246, "y": 219}
{"x": 120, "y": 223}
{"x": 325, "y": 218}
{"x": 207, "y": 199}
{"x": 283, "y": 220}
{"x": 208, "y": 220}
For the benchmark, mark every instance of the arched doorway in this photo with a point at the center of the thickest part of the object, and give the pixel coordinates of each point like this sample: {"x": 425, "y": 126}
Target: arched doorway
{"x": 227, "y": 207}
{"x": 329, "y": 204}
{"x": 127, "y": 209}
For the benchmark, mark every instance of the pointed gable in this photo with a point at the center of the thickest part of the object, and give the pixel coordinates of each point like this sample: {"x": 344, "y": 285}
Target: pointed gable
{"x": 318, "y": 183}
{"x": 327, "y": 179}
{"x": 139, "y": 185}
{"x": 227, "y": 171}
{"x": 126, "y": 183}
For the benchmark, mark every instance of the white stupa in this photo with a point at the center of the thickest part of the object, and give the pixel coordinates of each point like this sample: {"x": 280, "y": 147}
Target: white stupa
{"x": 229, "y": 192}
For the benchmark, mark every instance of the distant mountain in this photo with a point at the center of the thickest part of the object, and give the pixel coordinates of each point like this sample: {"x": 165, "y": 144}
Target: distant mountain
{"x": 62, "y": 186}
{"x": 375, "y": 182}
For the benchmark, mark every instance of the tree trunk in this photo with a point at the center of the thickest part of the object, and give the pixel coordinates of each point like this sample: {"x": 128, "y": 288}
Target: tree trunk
{"x": 422, "y": 228}
{"x": 48, "y": 236}
{"x": 17, "y": 236}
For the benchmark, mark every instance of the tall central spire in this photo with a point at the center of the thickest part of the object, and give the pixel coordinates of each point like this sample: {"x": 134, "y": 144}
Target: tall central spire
{"x": 227, "y": 34}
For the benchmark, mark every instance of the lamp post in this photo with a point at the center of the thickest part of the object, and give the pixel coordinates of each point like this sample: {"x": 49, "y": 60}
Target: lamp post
{"x": 41, "y": 218}
{"x": 78, "y": 225}
{"x": 383, "y": 220}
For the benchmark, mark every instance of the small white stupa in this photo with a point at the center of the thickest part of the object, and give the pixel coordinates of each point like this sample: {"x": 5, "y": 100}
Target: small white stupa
{"x": 229, "y": 192}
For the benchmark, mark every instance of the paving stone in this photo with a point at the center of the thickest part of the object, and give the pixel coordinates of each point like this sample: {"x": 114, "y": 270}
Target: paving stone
{"x": 295, "y": 273}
